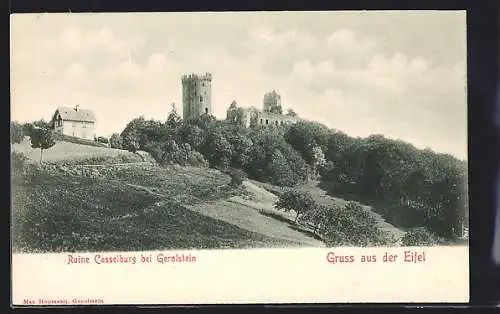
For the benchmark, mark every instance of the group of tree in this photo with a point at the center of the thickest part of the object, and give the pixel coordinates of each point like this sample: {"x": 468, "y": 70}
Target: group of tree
{"x": 410, "y": 186}
{"x": 416, "y": 188}
{"x": 347, "y": 225}
{"x": 262, "y": 153}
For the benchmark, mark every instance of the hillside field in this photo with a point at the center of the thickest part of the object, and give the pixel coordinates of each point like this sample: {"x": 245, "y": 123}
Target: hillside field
{"x": 320, "y": 196}
{"x": 66, "y": 151}
{"x": 142, "y": 206}
{"x": 135, "y": 208}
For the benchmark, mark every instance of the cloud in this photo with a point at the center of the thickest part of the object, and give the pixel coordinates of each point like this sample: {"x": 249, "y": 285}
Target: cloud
{"x": 75, "y": 71}
{"x": 340, "y": 74}
{"x": 342, "y": 38}
{"x": 157, "y": 63}
{"x": 303, "y": 70}
{"x": 82, "y": 43}
{"x": 326, "y": 67}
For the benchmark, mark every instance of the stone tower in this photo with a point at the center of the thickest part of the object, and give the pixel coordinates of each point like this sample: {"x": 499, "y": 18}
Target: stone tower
{"x": 196, "y": 95}
{"x": 272, "y": 102}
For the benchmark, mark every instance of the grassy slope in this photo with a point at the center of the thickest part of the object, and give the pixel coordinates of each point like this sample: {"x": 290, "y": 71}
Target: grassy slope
{"x": 255, "y": 212}
{"x": 206, "y": 191}
{"x": 57, "y": 212}
{"x": 252, "y": 219}
{"x": 70, "y": 151}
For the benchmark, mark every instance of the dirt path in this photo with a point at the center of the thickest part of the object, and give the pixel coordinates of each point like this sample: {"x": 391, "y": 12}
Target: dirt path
{"x": 250, "y": 219}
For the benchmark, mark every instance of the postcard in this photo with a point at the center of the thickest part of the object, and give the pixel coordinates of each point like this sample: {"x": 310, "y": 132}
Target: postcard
{"x": 239, "y": 157}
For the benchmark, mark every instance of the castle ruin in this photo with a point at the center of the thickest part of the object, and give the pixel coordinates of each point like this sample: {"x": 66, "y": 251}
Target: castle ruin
{"x": 196, "y": 95}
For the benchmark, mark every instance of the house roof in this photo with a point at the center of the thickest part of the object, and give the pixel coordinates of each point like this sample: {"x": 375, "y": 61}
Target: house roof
{"x": 73, "y": 115}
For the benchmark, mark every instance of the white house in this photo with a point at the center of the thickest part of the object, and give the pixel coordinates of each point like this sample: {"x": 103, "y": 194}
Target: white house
{"x": 74, "y": 122}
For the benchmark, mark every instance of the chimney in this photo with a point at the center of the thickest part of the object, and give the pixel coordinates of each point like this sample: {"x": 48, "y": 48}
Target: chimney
{"x": 77, "y": 107}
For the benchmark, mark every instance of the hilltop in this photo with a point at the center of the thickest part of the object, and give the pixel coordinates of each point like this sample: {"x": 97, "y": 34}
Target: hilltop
{"x": 330, "y": 187}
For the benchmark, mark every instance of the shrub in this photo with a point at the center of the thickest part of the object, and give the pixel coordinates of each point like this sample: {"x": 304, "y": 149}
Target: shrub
{"x": 299, "y": 201}
{"x": 196, "y": 159}
{"x": 18, "y": 163}
{"x": 172, "y": 153}
{"x": 348, "y": 225}
{"x": 102, "y": 139}
{"x": 116, "y": 141}
{"x": 280, "y": 171}
{"x": 419, "y": 237}
{"x": 21, "y": 167}
{"x": 77, "y": 140}
{"x": 130, "y": 141}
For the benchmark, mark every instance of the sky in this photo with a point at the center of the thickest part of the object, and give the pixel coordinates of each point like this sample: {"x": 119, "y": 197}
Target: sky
{"x": 396, "y": 73}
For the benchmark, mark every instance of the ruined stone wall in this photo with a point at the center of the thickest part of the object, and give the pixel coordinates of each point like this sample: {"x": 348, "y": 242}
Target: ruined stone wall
{"x": 196, "y": 95}
{"x": 267, "y": 118}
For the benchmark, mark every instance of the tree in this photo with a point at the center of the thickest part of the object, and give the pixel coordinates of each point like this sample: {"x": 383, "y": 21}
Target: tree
{"x": 140, "y": 131}
{"x": 296, "y": 200}
{"x": 317, "y": 157}
{"x": 171, "y": 152}
{"x": 280, "y": 171}
{"x": 116, "y": 141}
{"x": 241, "y": 147}
{"x": 192, "y": 134}
{"x": 131, "y": 141}
{"x": 238, "y": 176}
{"x": 42, "y": 138}
{"x": 16, "y": 132}
{"x": 205, "y": 121}
{"x": 234, "y": 114}
{"x": 41, "y": 124}
{"x": 217, "y": 150}
{"x": 173, "y": 119}
{"x": 304, "y": 136}
{"x": 27, "y": 127}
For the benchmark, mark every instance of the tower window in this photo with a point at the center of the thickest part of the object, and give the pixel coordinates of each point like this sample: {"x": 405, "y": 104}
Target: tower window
{"x": 276, "y": 122}
{"x": 261, "y": 121}
{"x": 203, "y": 84}
{"x": 267, "y": 121}
{"x": 201, "y": 98}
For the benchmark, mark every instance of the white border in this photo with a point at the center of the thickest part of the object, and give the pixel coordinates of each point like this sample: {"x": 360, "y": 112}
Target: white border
{"x": 246, "y": 276}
